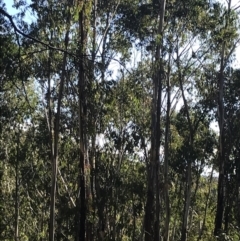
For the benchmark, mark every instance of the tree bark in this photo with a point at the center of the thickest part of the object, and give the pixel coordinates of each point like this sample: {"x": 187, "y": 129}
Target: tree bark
{"x": 173, "y": 238}
{"x": 166, "y": 156}
{"x": 206, "y": 206}
{"x": 221, "y": 156}
{"x": 152, "y": 222}
{"x": 84, "y": 177}
{"x": 221, "y": 152}
{"x": 187, "y": 201}
{"x": 16, "y": 231}
{"x": 56, "y": 138}
{"x": 188, "y": 185}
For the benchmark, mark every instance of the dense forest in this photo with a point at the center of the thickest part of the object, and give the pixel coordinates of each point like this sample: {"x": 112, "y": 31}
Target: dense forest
{"x": 119, "y": 120}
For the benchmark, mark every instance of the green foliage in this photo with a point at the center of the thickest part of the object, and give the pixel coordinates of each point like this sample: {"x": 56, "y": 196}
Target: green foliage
{"x": 118, "y": 66}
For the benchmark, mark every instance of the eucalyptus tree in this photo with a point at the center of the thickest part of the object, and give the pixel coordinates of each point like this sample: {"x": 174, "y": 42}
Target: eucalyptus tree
{"x": 125, "y": 136}
{"x": 231, "y": 196}
{"x": 126, "y": 163}
{"x": 53, "y": 21}
{"x": 15, "y": 108}
{"x": 224, "y": 41}
{"x": 232, "y": 138}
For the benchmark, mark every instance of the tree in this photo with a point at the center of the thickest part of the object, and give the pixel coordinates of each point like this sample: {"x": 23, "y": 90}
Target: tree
{"x": 106, "y": 109}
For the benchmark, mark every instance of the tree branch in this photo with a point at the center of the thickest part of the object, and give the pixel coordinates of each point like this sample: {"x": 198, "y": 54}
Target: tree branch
{"x": 16, "y": 29}
{"x": 2, "y": 11}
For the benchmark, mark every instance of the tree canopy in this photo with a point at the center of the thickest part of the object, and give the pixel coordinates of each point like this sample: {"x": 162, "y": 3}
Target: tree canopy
{"x": 106, "y": 115}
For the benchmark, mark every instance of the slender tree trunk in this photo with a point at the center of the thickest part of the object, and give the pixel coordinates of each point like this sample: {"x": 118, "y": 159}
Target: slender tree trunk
{"x": 237, "y": 200}
{"x": 196, "y": 187}
{"x": 92, "y": 119}
{"x": 51, "y": 142}
{"x": 42, "y": 222}
{"x": 187, "y": 201}
{"x": 188, "y": 182}
{"x": 157, "y": 222}
{"x": 166, "y": 156}
{"x": 173, "y": 238}
{"x": 221, "y": 154}
{"x": 56, "y": 137}
{"x": 84, "y": 182}
{"x": 134, "y": 219}
{"x": 16, "y": 233}
{"x": 228, "y": 205}
{"x": 149, "y": 207}
{"x": 152, "y": 222}
{"x": 206, "y": 206}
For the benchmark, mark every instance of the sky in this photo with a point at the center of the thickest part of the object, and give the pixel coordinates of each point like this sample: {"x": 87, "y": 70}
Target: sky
{"x": 9, "y": 7}
{"x": 12, "y": 11}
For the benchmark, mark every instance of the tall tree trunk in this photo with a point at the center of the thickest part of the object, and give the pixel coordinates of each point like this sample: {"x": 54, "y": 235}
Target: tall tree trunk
{"x": 237, "y": 194}
{"x": 206, "y": 206}
{"x": 220, "y": 198}
{"x": 148, "y": 222}
{"x": 152, "y": 222}
{"x": 173, "y": 238}
{"x": 166, "y": 156}
{"x": 49, "y": 118}
{"x": 221, "y": 156}
{"x": 221, "y": 153}
{"x": 84, "y": 179}
{"x": 188, "y": 182}
{"x": 93, "y": 121}
{"x": 56, "y": 137}
{"x": 228, "y": 204}
{"x": 134, "y": 219}
{"x": 187, "y": 201}
{"x": 16, "y": 231}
